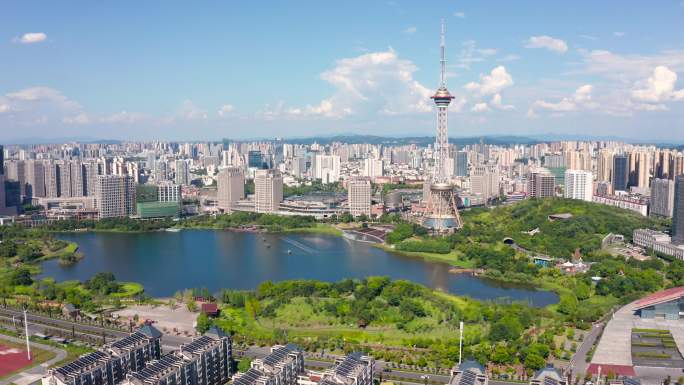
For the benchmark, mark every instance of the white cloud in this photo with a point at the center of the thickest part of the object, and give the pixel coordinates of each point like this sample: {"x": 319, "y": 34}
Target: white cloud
{"x": 509, "y": 57}
{"x": 190, "y": 111}
{"x": 377, "y": 82}
{"x": 659, "y": 87}
{"x": 225, "y": 110}
{"x": 547, "y": 42}
{"x": 498, "y": 104}
{"x": 629, "y": 68}
{"x": 79, "y": 119}
{"x": 32, "y": 37}
{"x": 589, "y": 37}
{"x": 4, "y": 108}
{"x": 480, "y": 107}
{"x": 497, "y": 80}
{"x": 471, "y": 54}
{"x": 122, "y": 117}
{"x": 618, "y": 34}
{"x": 411, "y": 30}
{"x": 580, "y": 99}
{"x": 460, "y": 14}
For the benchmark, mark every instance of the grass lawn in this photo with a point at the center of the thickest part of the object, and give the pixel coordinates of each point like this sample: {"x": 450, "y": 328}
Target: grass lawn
{"x": 130, "y": 289}
{"x": 453, "y": 258}
{"x": 320, "y": 228}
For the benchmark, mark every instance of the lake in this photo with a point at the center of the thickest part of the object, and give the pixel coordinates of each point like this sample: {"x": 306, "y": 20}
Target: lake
{"x": 165, "y": 262}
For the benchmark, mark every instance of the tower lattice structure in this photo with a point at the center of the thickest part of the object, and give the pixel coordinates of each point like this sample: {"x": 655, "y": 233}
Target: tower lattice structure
{"x": 442, "y": 214}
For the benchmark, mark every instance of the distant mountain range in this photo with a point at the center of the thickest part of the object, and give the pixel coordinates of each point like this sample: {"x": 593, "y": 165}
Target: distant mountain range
{"x": 386, "y": 140}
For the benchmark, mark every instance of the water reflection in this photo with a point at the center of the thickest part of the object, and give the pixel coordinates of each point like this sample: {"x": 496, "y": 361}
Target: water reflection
{"x": 166, "y": 262}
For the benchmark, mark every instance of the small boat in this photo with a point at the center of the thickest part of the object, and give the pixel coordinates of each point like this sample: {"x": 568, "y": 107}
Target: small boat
{"x": 173, "y": 230}
{"x": 289, "y": 251}
{"x": 268, "y": 245}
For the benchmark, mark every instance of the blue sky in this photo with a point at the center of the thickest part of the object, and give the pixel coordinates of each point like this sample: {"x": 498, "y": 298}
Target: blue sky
{"x": 244, "y": 69}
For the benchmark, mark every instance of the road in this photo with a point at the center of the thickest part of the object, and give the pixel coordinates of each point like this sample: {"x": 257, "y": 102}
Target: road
{"x": 33, "y": 374}
{"x": 39, "y": 323}
{"x": 578, "y": 363}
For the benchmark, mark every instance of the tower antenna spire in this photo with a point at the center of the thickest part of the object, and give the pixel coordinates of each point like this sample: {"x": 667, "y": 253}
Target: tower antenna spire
{"x": 442, "y": 60}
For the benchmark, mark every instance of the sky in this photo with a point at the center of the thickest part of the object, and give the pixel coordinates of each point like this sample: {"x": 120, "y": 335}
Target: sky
{"x": 206, "y": 70}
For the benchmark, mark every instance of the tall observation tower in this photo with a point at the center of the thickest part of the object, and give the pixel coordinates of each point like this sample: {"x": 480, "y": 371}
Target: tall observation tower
{"x": 442, "y": 214}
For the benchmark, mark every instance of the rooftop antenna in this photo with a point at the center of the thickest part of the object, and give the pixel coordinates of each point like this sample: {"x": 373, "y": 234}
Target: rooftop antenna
{"x": 442, "y": 60}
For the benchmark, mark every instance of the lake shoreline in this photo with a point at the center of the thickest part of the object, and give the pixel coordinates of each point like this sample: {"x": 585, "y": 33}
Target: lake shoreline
{"x": 316, "y": 253}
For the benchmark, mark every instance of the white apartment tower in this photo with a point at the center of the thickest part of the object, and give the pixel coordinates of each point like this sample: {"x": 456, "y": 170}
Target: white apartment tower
{"x": 579, "y": 185}
{"x": 115, "y": 196}
{"x": 268, "y": 191}
{"x": 359, "y": 196}
{"x": 231, "y": 187}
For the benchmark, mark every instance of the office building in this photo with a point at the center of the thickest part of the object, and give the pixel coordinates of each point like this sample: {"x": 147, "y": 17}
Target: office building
{"x": 359, "y": 196}
{"x": 255, "y": 159}
{"x": 678, "y": 212}
{"x": 620, "y": 172}
{"x": 268, "y": 191}
{"x": 579, "y": 185}
{"x": 541, "y": 184}
{"x": 182, "y": 175}
{"x": 461, "y": 163}
{"x": 662, "y": 198}
{"x": 281, "y": 367}
{"x": 111, "y": 363}
{"x": 114, "y": 196}
{"x": 230, "y": 187}
{"x": 353, "y": 369}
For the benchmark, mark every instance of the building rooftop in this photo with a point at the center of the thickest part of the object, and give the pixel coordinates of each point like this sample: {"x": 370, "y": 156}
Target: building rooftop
{"x": 249, "y": 378}
{"x": 157, "y": 369}
{"x": 82, "y": 364}
{"x": 660, "y": 297}
{"x": 280, "y": 354}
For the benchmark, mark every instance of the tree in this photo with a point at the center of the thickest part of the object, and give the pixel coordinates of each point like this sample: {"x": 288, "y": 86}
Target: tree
{"x": 534, "y": 361}
{"x": 253, "y": 307}
{"x": 203, "y": 323}
{"x": 501, "y": 354}
{"x": 21, "y": 277}
{"x": 192, "y": 305}
{"x": 567, "y": 304}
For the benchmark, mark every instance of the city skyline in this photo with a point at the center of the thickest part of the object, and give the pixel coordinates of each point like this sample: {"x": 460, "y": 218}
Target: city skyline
{"x": 169, "y": 77}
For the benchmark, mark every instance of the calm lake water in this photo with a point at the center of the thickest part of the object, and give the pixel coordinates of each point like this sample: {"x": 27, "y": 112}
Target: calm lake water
{"x": 165, "y": 262}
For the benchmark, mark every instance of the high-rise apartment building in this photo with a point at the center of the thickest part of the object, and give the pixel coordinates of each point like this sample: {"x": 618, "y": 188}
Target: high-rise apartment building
{"x": 52, "y": 179}
{"x": 604, "y": 166}
{"x": 541, "y": 184}
{"x": 620, "y": 172}
{"x": 359, "y": 196}
{"x": 182, "y": 175}
{"x": 115, "y": 196}
{"x": 579, "y": 185}
{"x": 268, "y": 191}
{"x": 662, "y": 197}
{"x": 327, "y": 168}
{"x": 373, "y": 168}
{"x": 678, "y": 212}
{"x": 230, "y": 186}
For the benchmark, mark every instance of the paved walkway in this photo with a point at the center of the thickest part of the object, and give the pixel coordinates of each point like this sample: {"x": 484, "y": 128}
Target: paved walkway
{"x": 35, "y": 373}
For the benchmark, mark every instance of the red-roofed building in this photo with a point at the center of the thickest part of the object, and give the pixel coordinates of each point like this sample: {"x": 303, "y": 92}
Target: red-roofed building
{"x": 210, "y": 309}
{"x": 668, "y": 304}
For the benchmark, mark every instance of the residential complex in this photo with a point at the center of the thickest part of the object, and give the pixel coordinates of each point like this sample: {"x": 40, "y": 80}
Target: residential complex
{"x": 137, "y": 359}
{"x": 281, "y": 367}
{"x": 579, "y": 184}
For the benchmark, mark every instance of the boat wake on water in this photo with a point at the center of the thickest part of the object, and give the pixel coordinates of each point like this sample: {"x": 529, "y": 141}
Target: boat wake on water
{"x": 299, "y": 245}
